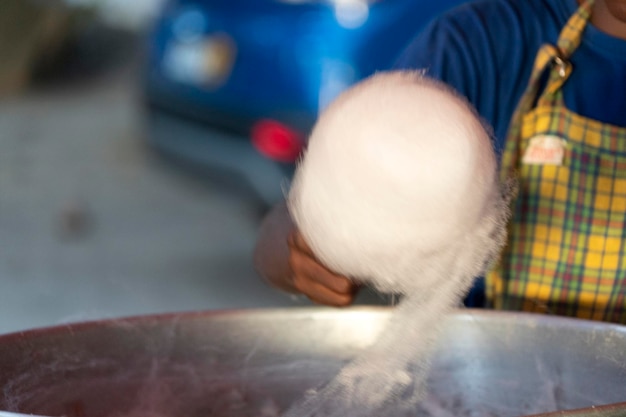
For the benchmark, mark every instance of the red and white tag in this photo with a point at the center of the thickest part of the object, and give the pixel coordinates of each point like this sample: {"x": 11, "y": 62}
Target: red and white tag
{"x": 545, "y": 150}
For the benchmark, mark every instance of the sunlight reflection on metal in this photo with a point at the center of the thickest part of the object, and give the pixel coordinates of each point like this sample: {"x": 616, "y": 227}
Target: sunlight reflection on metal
{"x": 351, "y": 14}
{"x": 189, "y": 25}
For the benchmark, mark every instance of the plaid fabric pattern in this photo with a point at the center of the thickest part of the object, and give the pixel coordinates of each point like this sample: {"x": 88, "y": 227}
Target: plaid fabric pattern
{"x": 566, "y": 253}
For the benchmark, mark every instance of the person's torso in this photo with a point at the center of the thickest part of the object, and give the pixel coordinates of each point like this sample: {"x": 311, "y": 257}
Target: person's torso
{"x": 486, "y": 50}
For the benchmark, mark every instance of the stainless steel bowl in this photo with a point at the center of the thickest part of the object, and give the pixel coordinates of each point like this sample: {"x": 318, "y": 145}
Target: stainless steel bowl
{"x": 256, "y": 362}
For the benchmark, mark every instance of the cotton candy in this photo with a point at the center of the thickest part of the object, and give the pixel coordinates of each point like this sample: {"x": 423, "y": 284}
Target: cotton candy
{"x": 398, "y": 188}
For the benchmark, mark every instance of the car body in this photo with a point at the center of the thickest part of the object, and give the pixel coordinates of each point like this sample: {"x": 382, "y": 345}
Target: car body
{"x": 236, "y": 85}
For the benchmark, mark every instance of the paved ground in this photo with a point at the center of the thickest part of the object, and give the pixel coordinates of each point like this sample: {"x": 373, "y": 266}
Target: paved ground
{"x": 94, "y": 225}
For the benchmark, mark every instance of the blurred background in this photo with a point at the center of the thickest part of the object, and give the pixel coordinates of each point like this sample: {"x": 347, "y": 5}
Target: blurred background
{"x": 141, "y": 142}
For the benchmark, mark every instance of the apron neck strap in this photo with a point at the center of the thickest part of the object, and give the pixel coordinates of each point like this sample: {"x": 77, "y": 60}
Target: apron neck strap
{"x": 556, "y": 56}
{"x": 571, "y": 34}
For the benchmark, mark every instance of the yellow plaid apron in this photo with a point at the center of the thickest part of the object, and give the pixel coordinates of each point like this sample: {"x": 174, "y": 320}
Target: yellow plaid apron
{"x": 566, "y": 252}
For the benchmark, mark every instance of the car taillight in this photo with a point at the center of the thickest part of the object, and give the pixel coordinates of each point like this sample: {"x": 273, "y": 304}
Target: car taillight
{"x": 276, "y": 141}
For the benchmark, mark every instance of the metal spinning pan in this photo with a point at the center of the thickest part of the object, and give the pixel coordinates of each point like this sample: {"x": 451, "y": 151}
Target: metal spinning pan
{"x": 256, "y": 362}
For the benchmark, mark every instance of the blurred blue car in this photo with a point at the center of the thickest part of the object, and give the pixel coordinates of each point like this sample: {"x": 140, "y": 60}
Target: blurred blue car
{"x": 236, "y": 85}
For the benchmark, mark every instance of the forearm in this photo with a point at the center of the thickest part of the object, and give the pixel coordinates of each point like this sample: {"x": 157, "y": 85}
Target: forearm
{"x": 271, "y": 254}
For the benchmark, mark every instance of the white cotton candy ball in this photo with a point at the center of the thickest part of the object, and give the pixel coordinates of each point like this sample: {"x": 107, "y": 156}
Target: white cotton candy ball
{"x": 397, "y": 169}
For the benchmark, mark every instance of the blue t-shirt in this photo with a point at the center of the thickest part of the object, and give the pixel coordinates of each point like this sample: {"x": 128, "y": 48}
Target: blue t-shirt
{"x": 486, "y": 49}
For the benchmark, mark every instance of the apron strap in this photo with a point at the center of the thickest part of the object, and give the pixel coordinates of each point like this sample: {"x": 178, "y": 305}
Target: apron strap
{"x": 571, "y": 34}
{"x": 557, "y": 58}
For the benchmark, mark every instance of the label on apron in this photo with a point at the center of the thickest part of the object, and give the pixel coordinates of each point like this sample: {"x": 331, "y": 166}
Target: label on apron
{"x": 545, "y": 150}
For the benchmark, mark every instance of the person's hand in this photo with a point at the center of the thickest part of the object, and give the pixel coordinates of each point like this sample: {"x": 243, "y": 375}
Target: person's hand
{"x": 313, "y": 279}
